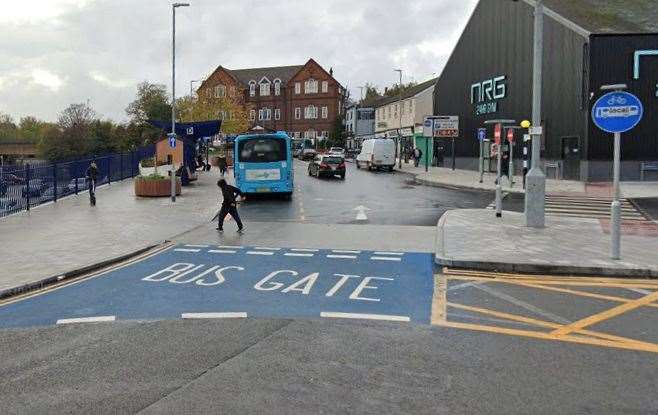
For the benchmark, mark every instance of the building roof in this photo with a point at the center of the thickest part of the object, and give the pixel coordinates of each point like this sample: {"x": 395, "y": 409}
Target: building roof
{"x": 408, "y": 93}
{"x": 284, "y": 73}
{"x": 607, "y": 16}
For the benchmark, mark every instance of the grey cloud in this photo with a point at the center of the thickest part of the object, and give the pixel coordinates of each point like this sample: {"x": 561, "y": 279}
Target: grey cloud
{"x": 129, "y": 40}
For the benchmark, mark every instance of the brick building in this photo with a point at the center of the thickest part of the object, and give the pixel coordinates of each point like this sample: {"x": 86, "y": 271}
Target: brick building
{"x": 303, "y": 100}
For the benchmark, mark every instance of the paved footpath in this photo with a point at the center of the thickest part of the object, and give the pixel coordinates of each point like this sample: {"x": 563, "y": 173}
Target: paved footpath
{"x": 60, "y": 237}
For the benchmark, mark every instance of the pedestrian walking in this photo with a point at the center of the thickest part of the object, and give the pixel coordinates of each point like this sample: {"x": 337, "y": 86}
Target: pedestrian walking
{"x": 91, "y": 176}
{"x": 418, "y": 153}
{"x": 221, "y": 162}
{"x": 229, "y": 205}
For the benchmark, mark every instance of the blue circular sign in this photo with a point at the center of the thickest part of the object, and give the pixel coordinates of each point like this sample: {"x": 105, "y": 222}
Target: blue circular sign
{"x": 617, "y": 112}
{"x": 482, "y": 134}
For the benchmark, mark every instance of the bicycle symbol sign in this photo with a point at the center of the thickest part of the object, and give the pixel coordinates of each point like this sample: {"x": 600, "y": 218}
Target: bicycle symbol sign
{"x": 617, "y": 112}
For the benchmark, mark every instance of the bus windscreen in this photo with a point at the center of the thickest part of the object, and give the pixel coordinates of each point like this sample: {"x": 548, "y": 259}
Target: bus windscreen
{"x": 262, "y": 150}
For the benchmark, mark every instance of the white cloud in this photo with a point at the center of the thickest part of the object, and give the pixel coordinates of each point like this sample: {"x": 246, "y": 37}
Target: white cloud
{"x": 105, "y": 80}
{"x": 19, "y": 11}
{"x": 48, "y": 79}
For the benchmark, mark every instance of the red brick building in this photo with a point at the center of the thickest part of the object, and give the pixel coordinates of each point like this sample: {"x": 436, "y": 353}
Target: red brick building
{"x": 303, "y": 100}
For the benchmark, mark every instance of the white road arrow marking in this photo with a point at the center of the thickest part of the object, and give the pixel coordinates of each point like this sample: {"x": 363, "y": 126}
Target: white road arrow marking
{"x": 361, "y": 212}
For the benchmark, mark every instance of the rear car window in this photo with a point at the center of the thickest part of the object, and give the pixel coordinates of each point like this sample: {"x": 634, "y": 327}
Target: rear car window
{"x": 332, "y": 160}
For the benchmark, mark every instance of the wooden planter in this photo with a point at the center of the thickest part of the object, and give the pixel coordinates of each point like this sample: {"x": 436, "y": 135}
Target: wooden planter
{"x": 155, "y": 188}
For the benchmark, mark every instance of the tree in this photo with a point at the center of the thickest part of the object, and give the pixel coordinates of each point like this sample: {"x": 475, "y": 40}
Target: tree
{"x": 230, "y": 111}
{"x": 337, "y": 133}
{"x": 77, "y": 115}
{"x": 31, "y": 129}
{"x": 371, "y": 93}
{"x": 395, "y": 89}
{"x": 8, "y": 129}
{"x": 151, "y": 103}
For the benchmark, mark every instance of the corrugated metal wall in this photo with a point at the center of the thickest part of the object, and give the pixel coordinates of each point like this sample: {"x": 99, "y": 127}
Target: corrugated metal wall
{"x": 499, "y": 41}
{"x": 612, "y": 62}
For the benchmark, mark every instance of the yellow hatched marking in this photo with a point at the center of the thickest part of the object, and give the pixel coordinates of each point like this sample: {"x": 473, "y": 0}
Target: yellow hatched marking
{"x": 542, "y": 323}
{"x": 542, "y": 282}
{"x": 582, "y": 293}
{"x": 439, "y": 299}
{"x": 547, "y": 336}
{"x": 605, "y": 315}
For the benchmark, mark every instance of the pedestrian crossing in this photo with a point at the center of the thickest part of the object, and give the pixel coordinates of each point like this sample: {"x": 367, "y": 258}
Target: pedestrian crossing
{"x": 589, "y": 207}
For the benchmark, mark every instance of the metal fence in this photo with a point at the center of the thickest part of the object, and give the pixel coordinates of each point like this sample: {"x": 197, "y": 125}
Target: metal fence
{"x": 26, "y": 186}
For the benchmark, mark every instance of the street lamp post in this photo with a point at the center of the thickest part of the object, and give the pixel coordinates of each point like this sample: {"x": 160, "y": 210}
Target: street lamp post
{"x": 399, "y": 71}
{"x": 173, "y": 91}
{"x": 535, "y": 179}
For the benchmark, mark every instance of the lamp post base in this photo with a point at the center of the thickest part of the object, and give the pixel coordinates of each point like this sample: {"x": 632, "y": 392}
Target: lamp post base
{"x": 535, "y": 194}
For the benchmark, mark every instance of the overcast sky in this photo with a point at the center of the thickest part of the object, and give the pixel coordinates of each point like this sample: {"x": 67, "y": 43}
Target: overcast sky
{"x": 57, "y": 52}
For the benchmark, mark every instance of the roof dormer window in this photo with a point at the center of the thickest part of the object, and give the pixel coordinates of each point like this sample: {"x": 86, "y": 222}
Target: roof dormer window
{"x": 252, "y": 88}
{"x": 277, "y": 87}
{"x": 264, "y": 87}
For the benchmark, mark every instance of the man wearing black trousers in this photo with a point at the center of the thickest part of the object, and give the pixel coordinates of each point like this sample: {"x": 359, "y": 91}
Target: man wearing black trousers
{"x": 229, "y": 205}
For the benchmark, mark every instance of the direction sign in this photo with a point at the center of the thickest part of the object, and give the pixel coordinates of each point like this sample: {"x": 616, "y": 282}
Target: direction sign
{"x": 498, "y": 132}
{"x": 446, "y": 126}
{"x": 617, "y": 112}
{"x": 482, "y": 134}
{"x": 172, "y": 140}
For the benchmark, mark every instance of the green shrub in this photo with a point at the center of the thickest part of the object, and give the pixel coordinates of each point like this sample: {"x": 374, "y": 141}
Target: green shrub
{"x": 152, "y": 176}
{"x": 149, "y": 162}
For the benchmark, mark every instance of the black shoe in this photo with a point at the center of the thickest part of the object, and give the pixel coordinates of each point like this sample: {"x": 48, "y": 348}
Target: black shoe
{"x": 241, "y": 230}
{"x": 220, "y": 230}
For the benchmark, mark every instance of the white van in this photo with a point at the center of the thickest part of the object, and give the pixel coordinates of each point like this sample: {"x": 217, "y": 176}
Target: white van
{"x": 377, "y": 153}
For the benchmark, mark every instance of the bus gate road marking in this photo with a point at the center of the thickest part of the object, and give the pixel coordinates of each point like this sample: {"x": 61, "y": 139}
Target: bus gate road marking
{"x": 279, "y": 283}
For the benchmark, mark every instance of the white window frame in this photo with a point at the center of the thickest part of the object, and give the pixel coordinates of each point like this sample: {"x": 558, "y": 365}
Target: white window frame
{"x": 252, "y": 115}
{"x": 298, "y": 113}
{"x": 298, "y": 134}
{"x": 260, "y": 114}
{"x": 325, "y": 112}
{"x": 325, "y": 134}
{"x": 252, "y": 88}
{"x": 311, "y": 112}
{"x": 264, "y": 89}
{"x": 220, "y": 91}
{"x": 298, "y": 88}
{"x": 277, "y": 87}
{"x": 277, "y": 113}
{"x": 325, "y": 87}
{"x": 311, "y": 86}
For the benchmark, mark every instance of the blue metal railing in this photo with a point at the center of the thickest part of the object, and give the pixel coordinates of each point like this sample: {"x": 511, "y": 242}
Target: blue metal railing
{"x": 25, "y": 186}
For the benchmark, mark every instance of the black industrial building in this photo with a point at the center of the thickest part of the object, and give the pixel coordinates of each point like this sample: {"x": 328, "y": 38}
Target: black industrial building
{"x": 587, "y": 43}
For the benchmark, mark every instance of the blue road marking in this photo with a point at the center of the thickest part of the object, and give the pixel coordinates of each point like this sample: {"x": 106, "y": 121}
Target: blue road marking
{"x": 262, "y": 282}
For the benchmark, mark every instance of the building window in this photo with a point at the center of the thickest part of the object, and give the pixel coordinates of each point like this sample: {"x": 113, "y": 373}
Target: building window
{"x": 324, "y": 134}
{"x": 252, "y": 115}
{"x": 277, "y": 114}
{"x": 310, "y": 134}
{"x": 325, "y": 87}
{"x": 325, "y": 112}
{"x": 311, "y": 112}
{"x": 311, "y": 86}
{"x": 298, "y": 113}
{"x": 277, "y": 87}
{"x": 298, "y": 88}
{"x": 231, "y": 91}
{"x": 297, "y": 134}
{"x": 265, "y": 114}
{"x": 264, "y": 87}
{"x": 220, "y": 91}
{"x": 252, "y": 88}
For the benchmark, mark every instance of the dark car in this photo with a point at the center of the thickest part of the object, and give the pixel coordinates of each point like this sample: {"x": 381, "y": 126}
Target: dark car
{"x": 327, "y": 165}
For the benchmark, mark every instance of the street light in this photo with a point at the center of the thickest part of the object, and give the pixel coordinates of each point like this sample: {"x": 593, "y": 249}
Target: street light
{"x": 535, "y": 179}
{"x": 173, "y": 91}
{"x": 400, "y": 114}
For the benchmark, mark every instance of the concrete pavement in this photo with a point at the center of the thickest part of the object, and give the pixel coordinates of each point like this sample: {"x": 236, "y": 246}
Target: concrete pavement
{"x": 475, "y": 238}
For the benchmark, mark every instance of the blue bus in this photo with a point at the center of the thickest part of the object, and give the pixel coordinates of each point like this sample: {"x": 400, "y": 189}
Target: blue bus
{"x": 263, "y": 163}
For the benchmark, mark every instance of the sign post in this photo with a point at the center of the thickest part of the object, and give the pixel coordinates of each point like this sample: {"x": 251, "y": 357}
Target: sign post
{"x": 447, "y": 126}
{"x": 498, "y": 134}
{"x": 428, "y": 133}
{"x": 616, "y": 112}
{"x": 510, "y": 170}
{"x": 482, "y": 135}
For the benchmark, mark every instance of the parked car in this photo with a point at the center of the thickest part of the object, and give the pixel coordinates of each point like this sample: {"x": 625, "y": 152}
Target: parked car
{"x": 308, "y": 154}
{"x": 327, "y": 165}
{"x": 339, "y": 151}
{"x": 35, "y": 187}
{"x": 10, "y": 178}
{"x": 378, "y": 153}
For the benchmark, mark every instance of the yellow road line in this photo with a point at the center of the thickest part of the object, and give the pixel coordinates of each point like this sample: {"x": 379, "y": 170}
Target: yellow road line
{"x": 546, "y": 324}
{"x": 85, "y": 277}
{"x": 548, "y": 336}
{"x": 548, "y": 282}
{"x": 582, "y": 293}
{"x": 439, "y": 299}
{"x": 550, "y": 278}
{"x": 605, "y": 315}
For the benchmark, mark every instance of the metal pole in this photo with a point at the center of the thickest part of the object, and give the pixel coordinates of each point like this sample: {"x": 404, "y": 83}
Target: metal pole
{"x": 511, "y": 164}
{"x": 400, "y": 114}
{"x": 499, "y": 189}
{"x": 453, "y": 153}
{"x": 173, "y": 98}
{"x": 615, "y": 209}
{"x": 536, "y": 180}
{"x": 481, "y": 164}
{"x": 427, "y": 151}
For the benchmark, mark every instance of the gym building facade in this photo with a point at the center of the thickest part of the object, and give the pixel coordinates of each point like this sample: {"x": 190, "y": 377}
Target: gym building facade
{"x": 587, "y": 44}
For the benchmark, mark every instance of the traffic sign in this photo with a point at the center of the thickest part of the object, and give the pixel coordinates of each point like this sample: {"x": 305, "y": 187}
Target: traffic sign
{"x": 428, "y": 126}
{"x": 482, "y": 134}
{"x": 446, "y": 126}
{"x": 617, "y": 112}
{"x": 498, "y": 132}
{"x": 539, "y": 130}
{"x": 172, "y": 140}
{"x": 510, "y": 135}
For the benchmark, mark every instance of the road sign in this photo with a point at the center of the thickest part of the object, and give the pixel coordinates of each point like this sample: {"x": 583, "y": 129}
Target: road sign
{"x": 172, "y": 140}
{"x": 617, "y": 112}
{"x": 428, "y": 126}
{"x": 482, "y": 134}
{"x": 510, "y": 135}
{"x": 498, "y": 132}
{"x": 446, "y": 126}
{"x": 536, "y": 130}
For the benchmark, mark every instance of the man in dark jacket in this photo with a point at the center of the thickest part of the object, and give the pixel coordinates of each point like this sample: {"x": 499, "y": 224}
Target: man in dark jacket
{"x": 92, "y": 175}
{"x": 229, "y": 194}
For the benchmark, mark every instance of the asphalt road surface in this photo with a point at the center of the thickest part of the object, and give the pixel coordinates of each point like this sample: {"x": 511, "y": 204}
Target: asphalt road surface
{"x": 315, "y": 311}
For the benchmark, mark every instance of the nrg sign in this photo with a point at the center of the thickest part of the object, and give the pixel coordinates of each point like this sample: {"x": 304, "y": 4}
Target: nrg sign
{"x": 485, "y": 94}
